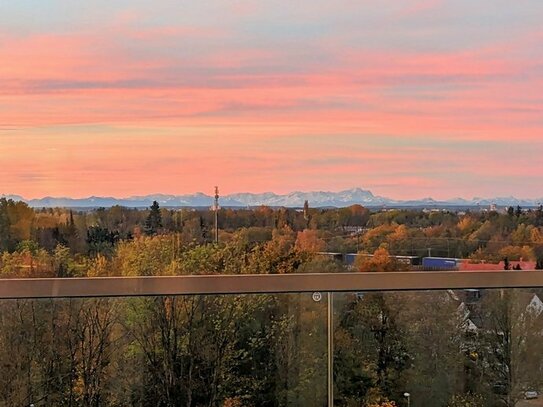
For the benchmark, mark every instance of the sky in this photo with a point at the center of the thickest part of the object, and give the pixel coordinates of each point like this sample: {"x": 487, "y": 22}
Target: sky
{"x": 408, "y": 99}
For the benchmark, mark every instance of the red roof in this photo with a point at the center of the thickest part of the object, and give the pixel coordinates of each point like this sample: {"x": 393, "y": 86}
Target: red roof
{"x": 465, "y": 265}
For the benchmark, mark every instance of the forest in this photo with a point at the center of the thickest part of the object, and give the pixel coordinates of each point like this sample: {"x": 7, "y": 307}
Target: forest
{"x": 121, "y": 241}
{"x": 445, "y": 348}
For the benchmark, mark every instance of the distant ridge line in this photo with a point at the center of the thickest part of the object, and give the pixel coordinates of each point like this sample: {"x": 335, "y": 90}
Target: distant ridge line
{"x": 316, "y": 199}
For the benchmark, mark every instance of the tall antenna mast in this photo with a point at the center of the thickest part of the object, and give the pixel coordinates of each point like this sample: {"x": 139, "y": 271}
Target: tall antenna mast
{"x": 216, "y": 208}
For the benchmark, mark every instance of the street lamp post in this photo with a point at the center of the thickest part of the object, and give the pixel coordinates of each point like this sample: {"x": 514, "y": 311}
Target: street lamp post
{"x": 408, "y": 397}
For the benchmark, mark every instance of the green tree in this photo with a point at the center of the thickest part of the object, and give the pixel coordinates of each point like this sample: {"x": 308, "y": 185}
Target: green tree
{"x": 154, "y": 220}
{"x": 5, "y": 234}
{"x": 63, "y": 262}
{"x": 306, "y": 211}
{"x": 539, "y": 216}
{"x": 101, "y": 241}
{"x": 16, "y": 220}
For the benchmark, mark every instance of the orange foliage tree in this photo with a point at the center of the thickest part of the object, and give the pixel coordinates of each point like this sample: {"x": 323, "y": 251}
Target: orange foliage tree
{"x": 380, "y": 261}
{"x": 309, "y": 241}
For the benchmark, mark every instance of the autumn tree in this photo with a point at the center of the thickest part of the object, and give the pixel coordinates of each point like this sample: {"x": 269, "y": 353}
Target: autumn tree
{"x": 510, "y": 345}
{"x": 385, "y": 403}
{"x": 371, "y": 353}
{"x": 16, "y": 220}
{"x": 380, "y": 261}
{"x": 309, "y": 241}
{"x": 467, "y": 400}
{"x": 433, "y": 338}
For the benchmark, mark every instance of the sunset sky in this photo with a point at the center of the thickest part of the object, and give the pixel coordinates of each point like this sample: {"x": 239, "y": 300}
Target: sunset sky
{"x": 405, "y": 98}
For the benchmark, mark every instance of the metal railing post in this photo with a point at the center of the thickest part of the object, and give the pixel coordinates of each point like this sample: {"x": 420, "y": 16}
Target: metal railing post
{"x": 330, "y": 349}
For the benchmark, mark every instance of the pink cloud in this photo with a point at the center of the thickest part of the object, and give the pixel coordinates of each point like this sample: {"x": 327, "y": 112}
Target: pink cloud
{"x": 224, "y": 106}
{"x": 418, "y": 7}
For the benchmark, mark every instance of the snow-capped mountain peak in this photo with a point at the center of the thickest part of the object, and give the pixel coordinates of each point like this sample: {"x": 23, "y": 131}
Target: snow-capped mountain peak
{"x": 315, "y": 199}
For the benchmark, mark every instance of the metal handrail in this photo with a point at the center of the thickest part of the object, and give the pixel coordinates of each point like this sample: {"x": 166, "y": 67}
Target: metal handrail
{"x": 263, "y": 283}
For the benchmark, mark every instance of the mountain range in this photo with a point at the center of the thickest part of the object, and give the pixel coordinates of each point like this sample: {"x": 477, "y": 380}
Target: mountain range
{"x": 293, "y": 199}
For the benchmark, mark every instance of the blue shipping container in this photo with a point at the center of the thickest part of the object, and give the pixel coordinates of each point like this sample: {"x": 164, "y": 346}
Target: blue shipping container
{"x": 440, "y": 263}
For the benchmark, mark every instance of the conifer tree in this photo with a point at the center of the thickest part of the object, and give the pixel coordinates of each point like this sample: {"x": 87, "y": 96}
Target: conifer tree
{"x": 154, "y": 220}
{"x": 539, "y": 216}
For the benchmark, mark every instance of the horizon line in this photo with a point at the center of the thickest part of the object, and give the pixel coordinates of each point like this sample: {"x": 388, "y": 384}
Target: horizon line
{"x": 299, "y": 191}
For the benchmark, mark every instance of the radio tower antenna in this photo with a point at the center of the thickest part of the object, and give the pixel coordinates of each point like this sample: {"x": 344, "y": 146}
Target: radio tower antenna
{"x": 216, "y": 208}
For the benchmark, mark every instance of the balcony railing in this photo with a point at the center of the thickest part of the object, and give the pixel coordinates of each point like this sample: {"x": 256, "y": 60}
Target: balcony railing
{"x": 264, "y": 283}
{"x": 352, "y": 339}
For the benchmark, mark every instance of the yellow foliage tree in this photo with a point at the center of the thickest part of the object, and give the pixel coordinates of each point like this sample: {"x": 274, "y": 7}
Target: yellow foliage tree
{"x": 383, "y": 404}
{"x": 466, "y": 225}
{"x": 401, "y": 233}
{"x": 517, "y": 253}
{"x": 536, "y": 236}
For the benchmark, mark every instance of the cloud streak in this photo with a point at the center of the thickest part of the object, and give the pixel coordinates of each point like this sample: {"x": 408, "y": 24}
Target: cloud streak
{"x": 133, "y": 89}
